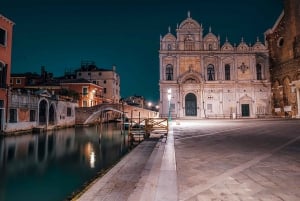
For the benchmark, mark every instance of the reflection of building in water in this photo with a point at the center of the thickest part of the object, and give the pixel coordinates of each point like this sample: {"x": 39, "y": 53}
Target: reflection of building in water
{"x": 30, "y": 150}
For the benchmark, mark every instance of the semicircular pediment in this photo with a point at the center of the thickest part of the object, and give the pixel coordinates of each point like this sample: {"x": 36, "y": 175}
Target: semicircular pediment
{"x": 210, "y": 37}
{"x": 242, "y": 47}
{"x": 189, "y": 23}
{"x": 227, "y": 47}
{"x": 169, "y": 37}
{"x": 190, "y": 77}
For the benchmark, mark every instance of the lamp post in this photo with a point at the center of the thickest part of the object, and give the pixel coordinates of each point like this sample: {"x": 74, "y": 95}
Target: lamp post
{"x": 169, "y": 99}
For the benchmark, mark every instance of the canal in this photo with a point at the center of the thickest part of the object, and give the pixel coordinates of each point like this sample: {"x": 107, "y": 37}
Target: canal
{"x": 53, "y": 165}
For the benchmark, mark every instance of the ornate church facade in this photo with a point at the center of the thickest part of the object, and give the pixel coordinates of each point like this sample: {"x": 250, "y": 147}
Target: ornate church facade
{"x": 202, "y": 78}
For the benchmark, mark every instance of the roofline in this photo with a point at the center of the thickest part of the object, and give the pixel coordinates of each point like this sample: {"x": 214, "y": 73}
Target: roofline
{"x": 82, "y": 83}
{"x": 271, "y": 30}
{"x": 8, "y": 20}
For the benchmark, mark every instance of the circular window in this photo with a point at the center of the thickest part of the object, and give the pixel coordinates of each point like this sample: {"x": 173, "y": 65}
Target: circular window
{"x": 280, "y": 42}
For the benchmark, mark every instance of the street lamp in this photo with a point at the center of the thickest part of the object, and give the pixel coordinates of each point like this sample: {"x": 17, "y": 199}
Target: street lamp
{"x": 169, "y": 99}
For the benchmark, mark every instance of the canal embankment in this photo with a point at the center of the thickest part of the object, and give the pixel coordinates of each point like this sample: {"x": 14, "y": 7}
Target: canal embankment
{"x": 127, "y": 177}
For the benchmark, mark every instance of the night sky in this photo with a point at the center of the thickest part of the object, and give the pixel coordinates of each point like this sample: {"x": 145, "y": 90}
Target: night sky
{"x": 59, "y": 34}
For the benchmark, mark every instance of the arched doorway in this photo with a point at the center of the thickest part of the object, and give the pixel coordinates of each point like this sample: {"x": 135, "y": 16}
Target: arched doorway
{"x": 190, "y": 105}
{"x": 51, "y": 115}
{"x": 42, "y": 112}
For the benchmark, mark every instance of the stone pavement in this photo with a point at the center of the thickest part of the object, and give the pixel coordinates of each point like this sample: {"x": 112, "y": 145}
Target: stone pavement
{"x": 210, "y": 160}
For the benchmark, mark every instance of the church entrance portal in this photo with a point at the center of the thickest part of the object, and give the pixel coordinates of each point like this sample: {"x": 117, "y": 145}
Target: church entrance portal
{"x": 190, "y": 105}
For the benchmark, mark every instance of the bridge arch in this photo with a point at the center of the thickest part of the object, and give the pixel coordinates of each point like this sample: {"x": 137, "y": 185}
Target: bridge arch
{"x": 92, "y": 118}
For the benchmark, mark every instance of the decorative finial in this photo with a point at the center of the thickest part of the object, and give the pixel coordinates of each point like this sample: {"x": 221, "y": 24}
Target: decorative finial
{"x": 160, "y": 37}
{"x": 209, "y": 30}
{"x": 219, "y": 37}
{"x": 257, "y": 39}
{"x": 189, "y": 14}
{"x": 169, "y": 29}
{"x": 177, "y": 26}
{"x": 242, "y": 40}
{"x": 226, "y": 39}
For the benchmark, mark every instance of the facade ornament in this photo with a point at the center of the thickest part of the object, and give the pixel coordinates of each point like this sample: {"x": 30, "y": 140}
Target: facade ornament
{"x": 169, "y": 29}
{"x": 243, "y": 67}
{"x": 209, "y": 30}
{"x": 189, "y": 14}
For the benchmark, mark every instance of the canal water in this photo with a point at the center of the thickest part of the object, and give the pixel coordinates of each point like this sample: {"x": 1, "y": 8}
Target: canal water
{"x": 53, "y": 165}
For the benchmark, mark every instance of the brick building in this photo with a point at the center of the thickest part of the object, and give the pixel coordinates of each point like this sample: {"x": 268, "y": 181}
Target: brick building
{"x": 89, "y": 94}
{"x": 6, "y": 31}
{"x": 284, "y": 48}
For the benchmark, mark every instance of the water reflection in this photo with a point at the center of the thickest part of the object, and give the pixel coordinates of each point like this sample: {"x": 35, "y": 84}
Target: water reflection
{"x": 57, "y": 163}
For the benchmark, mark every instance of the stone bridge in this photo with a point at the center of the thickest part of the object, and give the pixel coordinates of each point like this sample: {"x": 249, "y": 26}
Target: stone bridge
{"x": 108, "y": 111}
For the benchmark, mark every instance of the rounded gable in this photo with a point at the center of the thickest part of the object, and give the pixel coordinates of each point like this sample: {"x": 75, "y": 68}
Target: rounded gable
{"x": 169, "y": 38}
{"x": 189, "y": 23}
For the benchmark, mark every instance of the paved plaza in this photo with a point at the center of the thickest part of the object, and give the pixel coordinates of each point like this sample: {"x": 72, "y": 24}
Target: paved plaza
{"x": 238, "y": 160}
{"x": 210, "y": 160}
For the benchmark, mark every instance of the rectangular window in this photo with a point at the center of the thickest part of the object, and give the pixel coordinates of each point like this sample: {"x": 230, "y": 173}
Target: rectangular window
{"x": 227, "y": 72}
{"x": 3, "y": 74}
{"x": 69, "y": 111}
{"x": 172, "y": 107}
{"x": 209, "y": 107}
{"x": 1, "y": 103}
{"x": 12, "y": 115}
{"x": 84, "y": 103}
{"x": 32, "y": 115}
{"x": 84, "y": 91}
{"x": 258, "y": 72}
{"x": 104, "y": 81}
{"x": 18, "y": 81}
{"x": 2, "y": 37}
{"x": 104, "y": 90}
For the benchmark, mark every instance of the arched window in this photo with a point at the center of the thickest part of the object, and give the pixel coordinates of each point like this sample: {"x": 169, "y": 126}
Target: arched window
{"x": 258, "y": 72}
{"x": 169, "y": 72}
{"x": 210, "y": 72}
{"x": 227, "y": 72}
{"x": 169, "y": 47}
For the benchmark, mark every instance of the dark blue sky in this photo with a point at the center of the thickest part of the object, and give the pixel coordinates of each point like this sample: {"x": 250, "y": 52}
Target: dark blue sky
{"x": 58, "y": 34}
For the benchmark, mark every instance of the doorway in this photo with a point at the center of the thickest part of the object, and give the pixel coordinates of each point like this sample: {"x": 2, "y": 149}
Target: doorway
{"x": 190, "y": 105}
{"x": 245, "y": 110}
